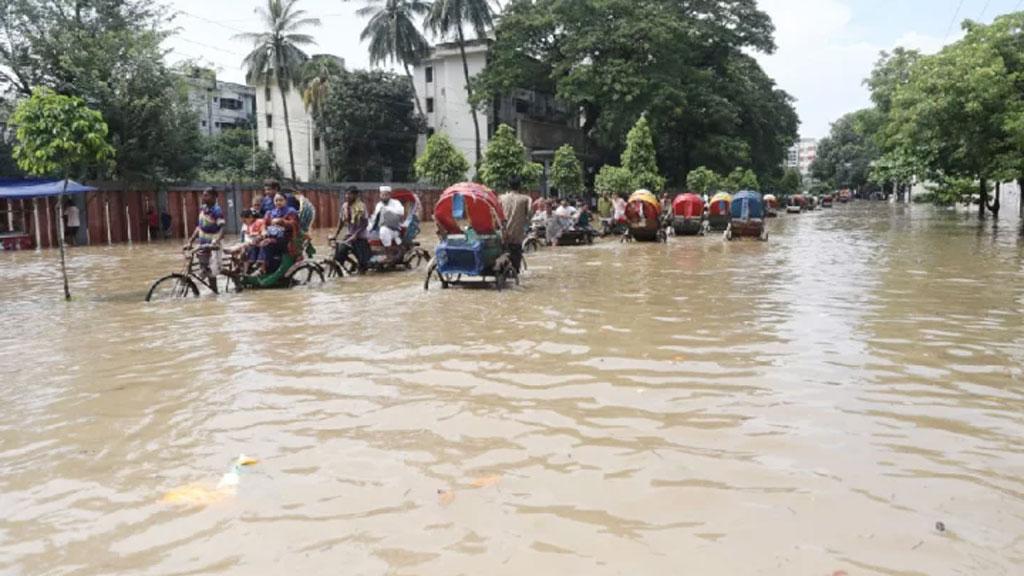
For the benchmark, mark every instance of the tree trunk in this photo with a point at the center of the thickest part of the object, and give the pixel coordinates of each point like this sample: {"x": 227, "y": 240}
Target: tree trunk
{"x": 415, "y": 94}
{"x": 60, "y": 239}
{"x": 983, "y": 198}
{"x": 288, "y": 130}
{"x": 1020, "y": 199}
{"x": 469, "y": 97}
{"x": 994, "y": 206}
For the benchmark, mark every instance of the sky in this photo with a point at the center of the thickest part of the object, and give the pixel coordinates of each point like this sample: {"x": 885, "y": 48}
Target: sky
{"x": 825, "y": 47}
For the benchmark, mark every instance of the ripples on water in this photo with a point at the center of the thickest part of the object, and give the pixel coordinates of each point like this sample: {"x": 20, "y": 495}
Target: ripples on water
{"x": 808, "y": 405}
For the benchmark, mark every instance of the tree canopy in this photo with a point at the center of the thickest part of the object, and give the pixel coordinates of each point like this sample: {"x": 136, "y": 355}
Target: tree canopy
{"x": 370, "y": 125}
{"x": 115, "y": 64}
{"x": 441, "y": 163}
{"x": 701, "y": 180}
{"x": 683, "y": 62}
{"x": 845, "y": 157}
{"x": 504, "y": 159}
{"x": 566, "y": 172}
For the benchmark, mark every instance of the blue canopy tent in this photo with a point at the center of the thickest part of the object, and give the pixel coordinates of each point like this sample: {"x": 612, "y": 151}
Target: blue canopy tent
{"x": 24, "y": 189}
{"x": 32, "y": 188}
{"x": 747, "y": 205}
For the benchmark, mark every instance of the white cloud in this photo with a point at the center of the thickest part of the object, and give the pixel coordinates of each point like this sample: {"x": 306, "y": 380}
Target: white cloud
{"x": 822, "y": 61}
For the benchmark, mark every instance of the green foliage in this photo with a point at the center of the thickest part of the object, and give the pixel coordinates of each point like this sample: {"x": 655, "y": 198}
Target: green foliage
{"x": 533, "y": 172}
{"x": 640, "y": 157}
{"x": 109, "y": 54}
{"x": 701, "y": 180}
{"x": 613, "y": 180}
{"x": 949, "y": 191}
{"x": 504, "y": 159}
{"x": 441, "y": 164}
{"x": 58, "y": 134}
{"x": 846, "y": 155}
{"x": 790, "y": 182}
{"x": 370, "y": 125}
{"x": 686, "y": 65}
{"x": 229, "y": 157}
{"x": 567, "y": 172}
{"x": 740, "y": 179}
{"x": 393, "y": 34}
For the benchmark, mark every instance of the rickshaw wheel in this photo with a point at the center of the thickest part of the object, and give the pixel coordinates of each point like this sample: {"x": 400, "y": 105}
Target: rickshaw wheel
{"x": 304, "y": 274}
{"x": 171, "y": 287}
{"x": 728, "y": 233}
{"x": 764, "y": 234}
{"x": 531, "y": 245}
{"x": 332, "y": 268}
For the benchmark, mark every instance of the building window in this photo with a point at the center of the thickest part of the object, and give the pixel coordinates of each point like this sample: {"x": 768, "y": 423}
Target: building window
{"x": 430, "y": 132}
{"x": 522, "y": 106}
{"x": 270, "y": 146}
{"x": 316, "y": 143}
{"x": 430, "y": 74}
{"x": 266, "y": 93}
{"x": 270, "y": 121}
{"x": 230, "y": 104}
{"x": 316, "y": 172}
{"x": 430, "y": 105}
{"x": 204, "y": 123}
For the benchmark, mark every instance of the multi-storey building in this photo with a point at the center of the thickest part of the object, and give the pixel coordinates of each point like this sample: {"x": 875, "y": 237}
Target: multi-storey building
{"x": 802, "y": 155}
{"x": 540, "y": 121}
{"x": 220, "y": 105}
{"x": 307, "y": 148}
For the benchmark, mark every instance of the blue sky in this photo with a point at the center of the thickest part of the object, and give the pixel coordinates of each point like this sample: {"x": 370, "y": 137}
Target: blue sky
{"x": 826, "y": 47}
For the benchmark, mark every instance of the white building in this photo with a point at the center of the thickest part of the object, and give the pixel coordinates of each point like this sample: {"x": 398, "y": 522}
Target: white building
{"x": 440, "y": 83}
{"x": 220, "y": 105}
{"x": 802, "y": 155}
{"x": 540, "y": 121}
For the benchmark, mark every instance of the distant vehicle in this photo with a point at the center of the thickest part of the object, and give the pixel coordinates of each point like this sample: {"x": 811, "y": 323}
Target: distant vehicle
{"x": 812, "y": 202}
{"x": 844, "y": 196}
{"x": 795, "y": 204}
{"x": 643, "y": 213}
{"x": 747, "y": 211}
{"x": 718, "y": 211}
{"x": 826, "y": 201}
{"x": 688, "y": 215}
{"x": 771, "y": 205}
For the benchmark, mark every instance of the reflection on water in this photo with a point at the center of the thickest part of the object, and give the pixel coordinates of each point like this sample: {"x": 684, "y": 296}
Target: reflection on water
{"x": 811, "y": 404}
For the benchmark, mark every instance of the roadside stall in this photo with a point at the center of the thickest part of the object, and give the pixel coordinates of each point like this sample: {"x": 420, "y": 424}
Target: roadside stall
{"x": 23, "y": 222}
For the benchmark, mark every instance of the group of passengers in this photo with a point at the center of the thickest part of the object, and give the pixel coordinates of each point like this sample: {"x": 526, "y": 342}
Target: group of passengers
{"x": 389, "y": 224}
{"x": 556, "y": 217}
{"x": 272, "y": 228}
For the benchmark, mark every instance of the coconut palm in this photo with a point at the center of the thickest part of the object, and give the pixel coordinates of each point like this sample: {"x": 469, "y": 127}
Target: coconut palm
{"x": 315, "y": 81}
{"x": 276, "y": 56}
{"x": 453, "y": 16}
{"x": 393, "y": 35}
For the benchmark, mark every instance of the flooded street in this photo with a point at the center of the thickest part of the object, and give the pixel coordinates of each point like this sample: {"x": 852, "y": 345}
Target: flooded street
{"x": 811, "y": 404}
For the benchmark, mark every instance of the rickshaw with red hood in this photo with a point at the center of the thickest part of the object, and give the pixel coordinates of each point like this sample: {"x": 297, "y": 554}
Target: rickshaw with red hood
{"x": 688, "y": 215}
{"x": 469, "y": 221}
{"x": 643, "y": 215}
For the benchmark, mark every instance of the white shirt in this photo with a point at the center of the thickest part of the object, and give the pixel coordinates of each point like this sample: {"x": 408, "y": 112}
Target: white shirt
{"x": 391, "y": 214}
{"x": 73, "y": 219}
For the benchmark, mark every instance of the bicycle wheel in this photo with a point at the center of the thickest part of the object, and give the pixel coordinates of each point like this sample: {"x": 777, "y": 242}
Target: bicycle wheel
{"x": 305, "y": 274}
{"x": 172, "y": 287}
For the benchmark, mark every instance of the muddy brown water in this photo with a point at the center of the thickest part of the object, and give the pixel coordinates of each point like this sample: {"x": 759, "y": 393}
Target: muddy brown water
{"x": 811, "y": 404}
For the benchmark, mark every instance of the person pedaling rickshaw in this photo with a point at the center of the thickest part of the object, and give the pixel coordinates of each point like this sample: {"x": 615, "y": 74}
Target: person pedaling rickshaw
{"x": 208, "y": 232}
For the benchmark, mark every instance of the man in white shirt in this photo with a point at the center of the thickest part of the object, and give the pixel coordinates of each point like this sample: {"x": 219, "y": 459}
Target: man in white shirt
{"x": 72, "y": 221}
{"x": 387, "y": 221}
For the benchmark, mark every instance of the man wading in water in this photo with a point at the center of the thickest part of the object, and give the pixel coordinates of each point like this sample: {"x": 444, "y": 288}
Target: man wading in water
{"x": 516, "y": 207}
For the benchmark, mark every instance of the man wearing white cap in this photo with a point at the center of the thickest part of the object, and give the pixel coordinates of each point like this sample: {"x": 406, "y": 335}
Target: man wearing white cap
{"x": 387, "y": 221}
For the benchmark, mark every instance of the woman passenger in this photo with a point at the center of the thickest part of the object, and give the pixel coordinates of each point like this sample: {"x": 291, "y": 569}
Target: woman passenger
{"x": 282, "y": 226}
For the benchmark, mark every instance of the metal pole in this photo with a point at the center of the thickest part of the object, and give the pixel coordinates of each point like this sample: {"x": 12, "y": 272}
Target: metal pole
{"x": 184, "y": 217}
{"x": 49, "y": 231}
{"x": 106, "y": 218}
{"x": 128, "y": 222}
{"x": 35, "y": 217}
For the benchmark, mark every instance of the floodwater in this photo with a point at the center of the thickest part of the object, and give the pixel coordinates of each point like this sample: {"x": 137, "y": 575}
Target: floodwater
{"x": 813, "y": 404}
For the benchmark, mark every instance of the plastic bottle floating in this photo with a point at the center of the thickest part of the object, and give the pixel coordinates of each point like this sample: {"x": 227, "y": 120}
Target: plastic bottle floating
{"x": 203, "y": 494}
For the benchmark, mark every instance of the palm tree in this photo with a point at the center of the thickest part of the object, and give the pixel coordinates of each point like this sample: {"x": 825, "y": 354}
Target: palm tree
{"x": 276, "y": 56}
{"x": 447, "y": 16}
{"x": 393, "y": 36}
{"x": 316, "y": 87}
